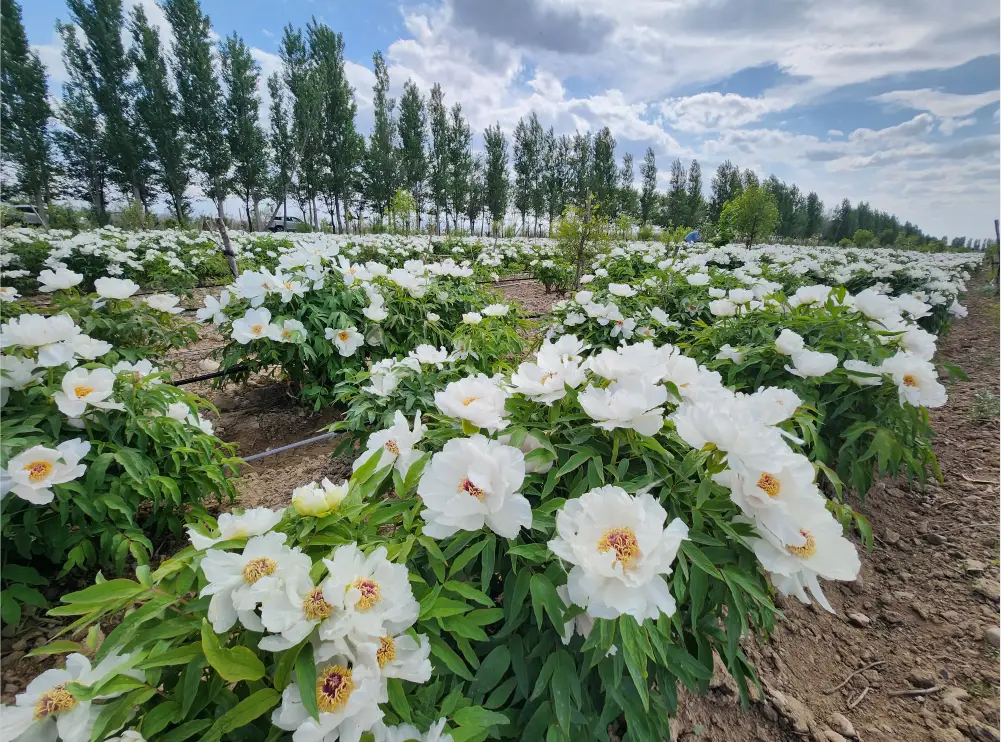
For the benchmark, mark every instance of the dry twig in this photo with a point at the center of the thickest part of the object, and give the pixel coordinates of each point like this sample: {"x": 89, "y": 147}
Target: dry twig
{"x": 916, "y": 691}
{"x": 844, "y": 682}
{"x": 858, "y": 700}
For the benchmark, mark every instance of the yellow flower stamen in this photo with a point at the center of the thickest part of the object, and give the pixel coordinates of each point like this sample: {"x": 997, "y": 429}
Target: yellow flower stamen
{"x": 909, "y": 380}
{"x": 343, "y": 336}
{"x": 257, "y": 568}
{"x": 623, "y": 542}
{"x": 54, "y": 701}
{"x": 468, "y": 401}
{"x": 82, "y": 391}
{"x": 370, "y": 593}
{"x": 257, "y": 329}
{"x": 386, "y": 652}
{"x": 392, "y": 447}
{"x": 333, "y": 688}
{"x": 467, "y": 486}
{"x": 314, "y": 607}
{"x": 769, "y": 484}
{"x": 808, "y": 549}
{"x": 38, "y": 471}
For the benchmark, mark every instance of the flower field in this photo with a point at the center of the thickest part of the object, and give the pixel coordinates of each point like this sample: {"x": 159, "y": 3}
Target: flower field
{"x": 553, "y": 523}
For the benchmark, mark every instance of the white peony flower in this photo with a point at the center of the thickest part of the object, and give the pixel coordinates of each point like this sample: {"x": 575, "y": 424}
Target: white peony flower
{"x": 16, "y": 373}
{"x": 634, "y": 403}
{"x": 238, "y": 583}
{"x": 916, "y": 379}
{"x": 394, "y": 445}
{"x": 318, "y": 500}
{"x": 545, "y": 382}
{"x": 163, "y": 303}
{"x": 741, "y": 296}
{"x": 812, "y": 363}
{"x": 135, "y": 371}
{"x": 957, "y": 310}
{"x": 61, "y": 278}
{"x": 729, "y": 353}
{"x": 291, "y": 331}
{"x": 620, "y": 550}
{"x": 495, "y": 310}
{"x": 32, "y": 473}
{"x": 788, "y": 342}
{"x": 82, "y": 388}
{"x": 697, "y": 279}
{"x": 821, "y": 551}
{"x": 51, "y": 335}
{"x": 432, "y": 317}
{"x": 347, "y": 340}
{"x": 621, "y": 289}
{"x": 370, "y": 596}
{"x": 722, "y": 308}
{"x": 115, "y": 288}
{"x": 213, "y": 308}
{"x": 426, "y": 354}
{"x": 46, "y": 711}
{"x": 771, "y": 405}
{"x": 88, "y": 348}
{"x": 8, "y": 293}
{"x": 477, "y": 399}
{"x": 253, "y": 522}
{"x": 856, "y": 367}
{"x": 472, "y": 318}
{"x": 583, "y": 297}
{"x": 408, "y": 732}
{"x": 255, "y": 325}
{"x": 347, "y": 697}
{"x": 474, "y": 482}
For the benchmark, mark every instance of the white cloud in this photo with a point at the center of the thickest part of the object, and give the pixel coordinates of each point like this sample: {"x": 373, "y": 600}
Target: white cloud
{"x": 942, "y": 104}
{"x": 835, "y": 133}
{"x": 715, "y": 111}
{"x": 948, "y": 126}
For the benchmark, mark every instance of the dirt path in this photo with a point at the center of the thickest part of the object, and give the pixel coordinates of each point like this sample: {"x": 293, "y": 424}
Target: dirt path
{"x": 923, "y": 617}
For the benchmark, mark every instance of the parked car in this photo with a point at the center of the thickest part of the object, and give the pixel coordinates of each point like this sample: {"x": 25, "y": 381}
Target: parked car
{"x": 283, "y": 224}
{"x": 29, "y": 214}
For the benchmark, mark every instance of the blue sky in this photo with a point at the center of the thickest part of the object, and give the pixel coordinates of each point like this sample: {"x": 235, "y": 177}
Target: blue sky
{"x": 890, "y": 101}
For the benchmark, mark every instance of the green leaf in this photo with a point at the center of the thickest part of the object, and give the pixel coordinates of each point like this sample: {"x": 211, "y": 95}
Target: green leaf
{"x": 452, "y": 661}
{"x": 56, "y": 647}
{"x": 234, "y": 664}
{"x": 186, "y": 731}
{"x": 158, "y": 718}
{"x": 573, "y": 462}
{"x": 106, "y": 592}
{"x": 398, "y": 699}
{"x": 699, "y": 559}
{"x": 469, "y": 592}
{"x": 477, "y": 716}
{"x": 544, "y": 595}
{"x": 250, "y": 708}
{"x": 444, "y": 607}
{"x": 491, "y": 671}
{"x": 565, "y": 688}
{"x": 305, "y": 678}
{"x": 179, "y": 656}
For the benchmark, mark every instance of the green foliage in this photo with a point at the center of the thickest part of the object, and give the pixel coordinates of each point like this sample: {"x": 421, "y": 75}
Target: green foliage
{"x": 581, "y": 235}
{"x": 751, "y": 216}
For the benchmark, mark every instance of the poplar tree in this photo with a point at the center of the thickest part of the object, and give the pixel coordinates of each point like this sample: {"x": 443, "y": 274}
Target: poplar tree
{"x": 340, "y": 142}
{"x": 240, "y": 76}
{"x": 696, "y": 202}
{"x": 604, "y": 173}
{"x": 628, "y": 200}
{"x": 80, "y": 140}
{"x": 476, "y": 193}
{"x": 107, "y": 70}
{"x": 648, "y": 192}
{"x": 495, "y": 144}
{"x": 380, "y": 160}
{"x": 307, "y": 120}
{"x": 677, "y": 196}
{"x": 282, "y": 146}
{"x": 413, "y": 142}
{"x": 460, "y": 163}
{"x": 157, "y": 112}
{"x": 438, "y": 161}
{"x": 580, "y": 169}
{"x": 24, "y": 109}
{"x": 725, "y": 187}
{"x": 202, "y": 113}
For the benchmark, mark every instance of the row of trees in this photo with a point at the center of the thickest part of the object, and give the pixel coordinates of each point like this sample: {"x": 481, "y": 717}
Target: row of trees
{"x": 130, "y": 123}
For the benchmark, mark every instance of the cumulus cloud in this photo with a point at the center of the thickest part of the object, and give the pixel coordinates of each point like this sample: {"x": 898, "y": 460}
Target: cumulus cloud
{"x": 533, "y": 24}
{"x": 716, "y": 111}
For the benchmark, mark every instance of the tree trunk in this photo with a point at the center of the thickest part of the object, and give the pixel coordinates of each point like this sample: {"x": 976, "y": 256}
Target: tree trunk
{"x": 178, "y": 211}
{"x": 337, "y": 212}
{"x": 40, "y": 208}
{"x": 257, "y": 215}
{"x": 250, "y": 223}
{"x": 227, "y": 248}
